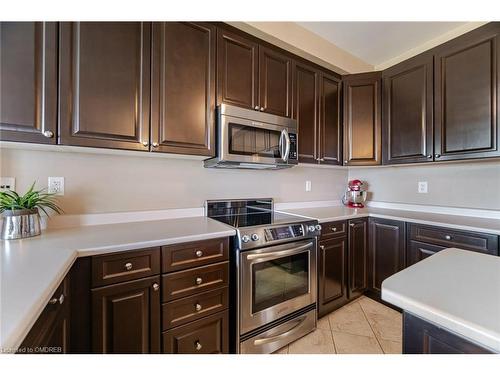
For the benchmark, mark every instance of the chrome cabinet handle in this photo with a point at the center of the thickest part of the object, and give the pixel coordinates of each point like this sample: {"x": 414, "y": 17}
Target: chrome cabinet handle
{"x": 429, "y": 156}
{"x": 198, "y": 280}
{"x": 145, "y": 144}
{"x": 128, "y": 266}
{"x": 351, "y": 224}
{"x": 156, "y": 287}
{"x": 437, "y": 155}
{"x": 48, "y": 134}
{"x": 334, "y": 229}
{"x": 199, "y": 253}
{"x": 197, "y": 307}
{"x": 256, "y": 107}
{"x": 262, "y": 109}
{"x": 54, "y": 300}
{"x": 322, "y": 247}
{"x": 198, "y": 345}
{"x": 155, "y": 144}
{"x": 447, "y": 237}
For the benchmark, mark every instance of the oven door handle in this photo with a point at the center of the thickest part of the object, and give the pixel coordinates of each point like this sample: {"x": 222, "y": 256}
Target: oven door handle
{"x": 284, "y": 146}
{"x": 277, "y": 254}
{"x": 295, "y": 326}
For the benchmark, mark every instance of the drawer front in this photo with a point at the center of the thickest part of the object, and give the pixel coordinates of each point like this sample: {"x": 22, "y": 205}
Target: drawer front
{"x": 194, "y": 254}
{"x": 205, "y": 336}
{"x": 333, "y": 229}
{"x": 484, "y": 243}
{"x": 125, "y": 266}
{"x": 201, "y": 279}
{"x": 417, "y": 251}
{"x": 187, "y": 309}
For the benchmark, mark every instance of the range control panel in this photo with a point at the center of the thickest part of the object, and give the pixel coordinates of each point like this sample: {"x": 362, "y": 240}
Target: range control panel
{"x": 282, "y": 233}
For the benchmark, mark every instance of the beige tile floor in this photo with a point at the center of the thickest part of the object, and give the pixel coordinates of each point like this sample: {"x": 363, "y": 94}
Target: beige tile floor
{"x": 363, "y": 326}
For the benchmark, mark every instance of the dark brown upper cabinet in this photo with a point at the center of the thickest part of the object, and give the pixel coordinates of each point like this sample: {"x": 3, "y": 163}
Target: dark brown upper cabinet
{"x": 330, "y": 130}
{"x": 306, "y": 111}
{"x": 237, "y": 70}
{"x": 407, "y": 115}
{"x": 104, "y": 90}
{"x": 317, "y": 111}
{"x": 28, "y": 81}
{"x": 275, "y": 82}
{"x": 362, "y": 119}
{"x": 466, "y": 89}
{"x": 386, "y": 251}
{"x": 183, "y": 88}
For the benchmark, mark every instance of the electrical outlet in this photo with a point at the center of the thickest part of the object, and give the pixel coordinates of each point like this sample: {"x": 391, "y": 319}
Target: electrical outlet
{"x": 422, "y": 187}
{"x": 56, "y": 185}
{"x": 7, "y": 183}
{"x": 308, "y": 186}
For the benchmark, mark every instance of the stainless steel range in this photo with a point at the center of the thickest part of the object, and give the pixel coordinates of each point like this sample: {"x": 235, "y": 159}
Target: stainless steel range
{"x": 274, "y": 274}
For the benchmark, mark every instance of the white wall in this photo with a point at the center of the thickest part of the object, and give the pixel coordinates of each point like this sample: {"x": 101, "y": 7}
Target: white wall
{"x": 116, "y": 183}
{"x": 475, "y": 184}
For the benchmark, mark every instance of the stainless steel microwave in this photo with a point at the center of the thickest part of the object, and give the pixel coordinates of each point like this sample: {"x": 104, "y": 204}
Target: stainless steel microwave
{"x": 254, "y": 140}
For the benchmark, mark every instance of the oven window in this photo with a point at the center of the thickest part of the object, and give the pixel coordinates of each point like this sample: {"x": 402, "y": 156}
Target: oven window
{"x": 251, "y": 141}
{"x": 279, "y": 280}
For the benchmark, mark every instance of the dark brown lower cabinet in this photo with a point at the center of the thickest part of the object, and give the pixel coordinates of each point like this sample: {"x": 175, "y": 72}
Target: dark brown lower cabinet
{"x": 50, "y": 333}
{"x": 126, "y": 317}
{"x": 358, "y": 257}
{"x": 205, "y": 336}
{"x": 386, "y": 251}
{"x": 416, "y": 251}
{"x": 332, "y": 288}
{"x": 423, "y": 337}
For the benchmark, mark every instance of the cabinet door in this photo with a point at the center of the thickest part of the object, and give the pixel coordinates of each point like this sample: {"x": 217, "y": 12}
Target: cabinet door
{"x": 275, "y": 82}
{"x": 408, "y": 111}
{"x": 362, "y": 117}
{"x": 417, "y": 251}
{"x": 332, "y": 274}
{"x": 105, "y": 84}
{"x": 126, "y": 317}
{"x": 237, "y": 70}
{"x": 28, "y": 81}
{"x": 306, "y": 104}
{"x": 183, "y": 88}
{"x": 387, "y": 250}
{"x": 330, "y": 132}
{"x": 466, "y": 95}
{"x": 358, "y": 257}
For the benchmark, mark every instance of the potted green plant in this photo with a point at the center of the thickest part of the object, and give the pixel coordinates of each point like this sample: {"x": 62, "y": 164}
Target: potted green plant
{"x": 21, "y": 217}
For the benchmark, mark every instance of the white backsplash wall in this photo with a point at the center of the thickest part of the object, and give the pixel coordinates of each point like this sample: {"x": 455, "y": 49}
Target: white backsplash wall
{"x": 474, "y": 184}
{"x": 96, "y": 183}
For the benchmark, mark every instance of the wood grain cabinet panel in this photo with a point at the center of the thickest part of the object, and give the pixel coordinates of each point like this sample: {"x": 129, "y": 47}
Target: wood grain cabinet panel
{"x": 408, "y": 111}
{"x": 183, "y": 88}
{"x": 306, "y": 111}
{"x": 104, "y": 90}
{"x": 417, "y": 251}
{"x": 275, "y": 82}
{"x": 237, "y": 70}
{"x": 28, "y": 81}
{"x": 126, "y": 317}
{"x": 466, "y": 95}
{"x": 332, "y": 288}
{"x": 357, "y": 257}
{"x": 386, "y": 251}
{"x": 330, "y": 129}
{"x": 362, "y": 119}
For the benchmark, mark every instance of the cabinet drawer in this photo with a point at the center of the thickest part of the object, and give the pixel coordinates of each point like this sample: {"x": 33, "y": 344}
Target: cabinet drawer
{"x": 205, "y": 336}
{"x": 333, "y": 229}
{"x": 194, "y": 254}
{"x": 125, "y": 266}
{"x": 187, "y": 309}
{"x": 186, "y": 283}
{"x": 483, "y": 243}
{"x": 418, "y": 251}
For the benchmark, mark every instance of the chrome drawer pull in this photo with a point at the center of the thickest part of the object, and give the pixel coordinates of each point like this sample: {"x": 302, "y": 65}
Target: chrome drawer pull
{"x": 128, "y": 266}
{"x": 53, "y": 301}
{"x": 198, "y": 280}
{"x": 198, "y": 345}
{"x": 334, "y": 229}
{"x": 199, "y": 253}
{"x": 156, "y": 287}
{"x": 197, "y": 307}
{"x": 447, "y": 237}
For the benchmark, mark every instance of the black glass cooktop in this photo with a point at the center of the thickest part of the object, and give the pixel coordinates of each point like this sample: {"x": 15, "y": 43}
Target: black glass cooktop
{"x": 247, "y": 213}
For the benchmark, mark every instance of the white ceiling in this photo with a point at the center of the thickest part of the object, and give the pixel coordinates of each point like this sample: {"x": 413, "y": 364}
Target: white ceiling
{"x": 378, "y": 42}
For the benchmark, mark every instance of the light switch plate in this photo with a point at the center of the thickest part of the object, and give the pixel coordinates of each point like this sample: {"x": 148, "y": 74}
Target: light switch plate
{"x": 56, "y": 185}
{"x": 7, "y": 183}
{"x": 422, "y": 187}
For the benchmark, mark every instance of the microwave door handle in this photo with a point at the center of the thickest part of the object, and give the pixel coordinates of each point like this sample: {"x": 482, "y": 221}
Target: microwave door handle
{"x": 286, "y": 152}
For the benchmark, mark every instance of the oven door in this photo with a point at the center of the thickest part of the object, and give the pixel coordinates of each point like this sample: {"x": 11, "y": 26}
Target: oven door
{"x": 276, "y": 281}
{"x": 248, "y": 141}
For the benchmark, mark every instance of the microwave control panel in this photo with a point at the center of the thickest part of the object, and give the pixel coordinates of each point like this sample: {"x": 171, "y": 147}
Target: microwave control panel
{"x": 293, "y": 146}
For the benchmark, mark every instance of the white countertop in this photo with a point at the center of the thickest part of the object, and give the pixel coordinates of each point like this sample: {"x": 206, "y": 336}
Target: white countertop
{"x": 32, "y": 268}
{"x": 456, "y": 289}
{"x": 334, "y": 213}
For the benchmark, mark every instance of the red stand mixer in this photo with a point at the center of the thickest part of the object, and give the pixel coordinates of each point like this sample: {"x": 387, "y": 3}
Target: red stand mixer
{"x": 355, "y": 195}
